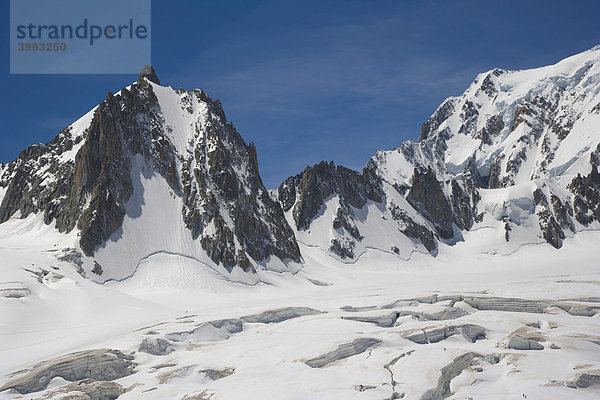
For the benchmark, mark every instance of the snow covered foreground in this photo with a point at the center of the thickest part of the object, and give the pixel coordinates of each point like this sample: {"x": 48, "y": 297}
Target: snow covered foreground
{"x": 380, "y": 307}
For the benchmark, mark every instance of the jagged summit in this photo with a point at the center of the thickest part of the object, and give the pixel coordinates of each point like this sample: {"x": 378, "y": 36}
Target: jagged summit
{"x": 148, "y": 72}
{"x": 152, "y": 170}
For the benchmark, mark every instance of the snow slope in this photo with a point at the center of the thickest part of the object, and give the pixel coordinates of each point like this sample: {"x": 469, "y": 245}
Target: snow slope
{"x": 64, "y": 313}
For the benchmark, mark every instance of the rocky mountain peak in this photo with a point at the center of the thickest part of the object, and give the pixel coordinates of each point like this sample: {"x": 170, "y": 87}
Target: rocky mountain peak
{"x": 148, "y": 72}
{"x": 303, "y": 196}
{"x": 151, "y": 153}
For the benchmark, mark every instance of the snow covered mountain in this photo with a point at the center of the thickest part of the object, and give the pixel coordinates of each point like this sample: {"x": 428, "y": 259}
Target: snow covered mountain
{"x": 413, "y": 279}
{"x": 154, "y": 171}
{"x": 515, "y": 157}
{"x": 151, "y": 170}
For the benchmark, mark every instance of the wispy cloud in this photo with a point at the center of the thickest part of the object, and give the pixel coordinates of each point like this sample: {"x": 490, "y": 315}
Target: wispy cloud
{"x": 352, "y": 61}
{"x": 57, "y": 123}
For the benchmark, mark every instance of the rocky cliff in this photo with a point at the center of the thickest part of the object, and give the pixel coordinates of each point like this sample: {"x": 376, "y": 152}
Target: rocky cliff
{"x": 87, "y": 180}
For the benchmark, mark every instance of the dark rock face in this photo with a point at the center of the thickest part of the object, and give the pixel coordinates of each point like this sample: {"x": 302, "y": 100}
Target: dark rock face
{"x": 496, "y": 180}
{"x": 536, "y": 115}
{"x": 440, "y": 115}
{"x": 259, "y": 224}
{"x": 461, "y": 206}
{"x": 427, "y": 197}
{"x": 26, "y": 191}
{"x": 551, "y": 230}
{"x": 218, "y": 180}
{"x": 562, "y": 212}
{"x": 492, "y": 128}
{"x": 469, "y": 115}
{"x": 343, "y": 247}
{"x": 586, "y": 191}
{"x": 97, "y": 268}
{"x": 89, "y": 193}
{"x": 308, "y": 191}
{"x": 412, "y": 229}
{"x": 488, "y": 86}
{"x": 472, "y": 178}
{"x": 148, "y": 72}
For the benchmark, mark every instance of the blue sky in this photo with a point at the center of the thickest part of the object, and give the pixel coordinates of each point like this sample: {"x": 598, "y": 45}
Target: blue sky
{"x": 314, "y": 80}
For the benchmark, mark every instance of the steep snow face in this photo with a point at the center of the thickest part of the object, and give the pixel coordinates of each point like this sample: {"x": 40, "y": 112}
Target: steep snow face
{"x": 152, "y": 170}
{"x": 516, "y": 126}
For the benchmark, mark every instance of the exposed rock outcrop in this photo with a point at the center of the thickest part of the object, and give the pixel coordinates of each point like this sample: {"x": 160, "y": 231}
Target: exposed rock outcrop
{"x": 306, "y": 192}
{"x": 439, "y": 116}
{"x": 414, "y": 230}
{"x": 215, "y": 190}
{"x": 552, "y": 232}
{"x": 426, "y": 196}
{"x": 148, "y": 72}
{"x": 586, "y": 191}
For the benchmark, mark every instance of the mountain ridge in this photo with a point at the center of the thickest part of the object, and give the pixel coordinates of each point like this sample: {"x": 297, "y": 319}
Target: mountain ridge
{"x": 508, "y": 131}
{"x": 156, "y": 169}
